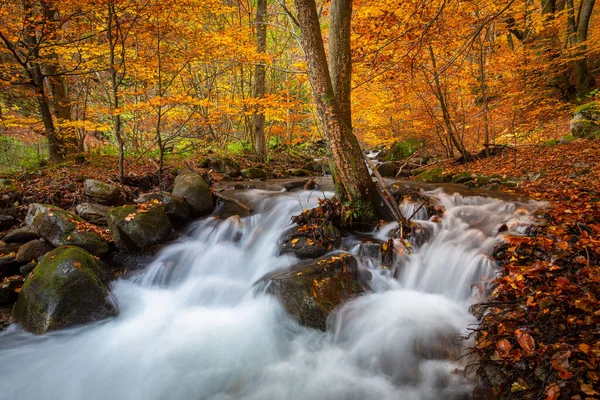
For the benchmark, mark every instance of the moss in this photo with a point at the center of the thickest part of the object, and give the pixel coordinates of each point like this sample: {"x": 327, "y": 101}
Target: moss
{"x": 431, "y": 176}
{"x": 592, "y": 106}
{"x": 404, "y": 149}
{"x": 362, "y": 212}
{"x": 462, "y": 177}
{"x": 550, "y": 142}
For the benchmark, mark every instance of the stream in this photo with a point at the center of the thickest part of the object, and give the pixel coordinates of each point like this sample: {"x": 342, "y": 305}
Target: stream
{"x": 191, "y": 326}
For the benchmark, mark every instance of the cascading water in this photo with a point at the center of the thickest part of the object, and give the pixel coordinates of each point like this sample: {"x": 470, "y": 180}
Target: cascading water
{"x": 192, "y": 327}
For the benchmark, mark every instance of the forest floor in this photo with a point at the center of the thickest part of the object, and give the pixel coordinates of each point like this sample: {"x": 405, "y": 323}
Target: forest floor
{"x": 540, "y": 332}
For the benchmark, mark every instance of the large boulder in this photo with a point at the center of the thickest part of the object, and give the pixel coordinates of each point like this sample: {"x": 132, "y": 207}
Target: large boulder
{"x": 101, "y": 192}
{"x": 194, "y": 191}
{"x": 61, "y": 228}
{"x": 311, "y": 291}
{"x": 20, "y": 235}
{"x": 254, "y": 173}
{"x": 586, "y": 121}
{"x": 137, "y": 228}
{"x": 311, "y": 243}
{"x": 33, "y": 250}
{"x": 66, "y": 289}
{"x": 387, "y": 169}
{"x": 93, "y": 212}
{"x": 177, "y": 210}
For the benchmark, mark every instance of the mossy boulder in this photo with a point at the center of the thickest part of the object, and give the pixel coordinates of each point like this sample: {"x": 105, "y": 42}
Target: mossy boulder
{"x": 177, "y": 210}
{"x": 225, "y": 165}
{"x": 137, "y": 228}
{"x": 585, "y": 122}
{"x": 434, "y": 175}
{"x": 254, "y": 173}
{"x": 387, "y": 169}
{"x": 101, "y": 192}
{"x": 311, "y": 291}
{"x": 462, "y": 177}
{"x": 299, "y": 172}
{"x": 66, "y": 289}
{"x": 61, "y": 228}
{"x": 93, "y": 212}
{"x": 311, "y": 243}
{"x": 401, "y": 150}
{"x": 194, "y": 191}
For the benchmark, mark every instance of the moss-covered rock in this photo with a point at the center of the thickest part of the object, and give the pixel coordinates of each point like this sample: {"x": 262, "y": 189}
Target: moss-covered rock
{"x": 66, "y": 289}
{"x": 101, "y": 192}
{"x": 194, "y": 191}
{"x": 177, "y": 210}
{"x": 299, "y": 172}
{"x": 401, "y": 150}
{"x": 61, "y": 228}
{"x": 311, "y": 291}
{"x": 137, "y": 228}
{"x": 387, "y": 169}
{"x": 586, "y": 121}
{"x": 434, "y": 175}
{"x": 225, "y": 165}
{"x": 463, "y": 177}
{"x": 254, "y": 173}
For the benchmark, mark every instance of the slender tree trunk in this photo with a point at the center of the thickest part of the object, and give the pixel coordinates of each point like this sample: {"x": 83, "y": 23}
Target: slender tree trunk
{"x": 583, "y": 79}
{"x": 353, "y": 181}
{"x": 258, "y": 121}
{"x": 113, "y": 38}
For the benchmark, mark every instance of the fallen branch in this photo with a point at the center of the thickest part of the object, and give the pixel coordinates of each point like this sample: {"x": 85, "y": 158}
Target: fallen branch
{"x": 234, "y": 201}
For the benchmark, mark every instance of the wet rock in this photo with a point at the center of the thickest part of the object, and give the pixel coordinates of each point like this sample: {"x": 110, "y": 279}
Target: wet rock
{"x": 225, "y": 165}
{"x": 33, "y": 250}
{"x": 177, "y": 210}
{"x": 60, "y": 228}
{"x": 6, "y": 221}
{"x": 194, "y": 191}
{"x": 26, "y": 269}
{"x": 254, "y": 173}
{"x": 137, "y": 230}
{"x": 586, "y": 121}
{"x": 431, "y": 176}
{"x": 387, "y": 169}
{"x": 20, "y": 235}
{"x": 65, "y": 290}
{"x": 311, "y": 243}
{"x": 93, "y": 212}
{"x": 369, "y": 250}
{"x": 462, "y": 177}
{"x": 311, "y": 291}
{"x": 299, "y": 172}
{"x": 101, "y": 192}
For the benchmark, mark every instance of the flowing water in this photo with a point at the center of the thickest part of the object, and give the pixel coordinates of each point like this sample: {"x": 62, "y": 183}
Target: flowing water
{"x": 191, "y": 326}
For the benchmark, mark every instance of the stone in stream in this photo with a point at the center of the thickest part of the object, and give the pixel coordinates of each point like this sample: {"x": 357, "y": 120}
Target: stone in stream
{"x": 137, "y": 228}
{"x": 194, "y": 191}
{"x": 177, "y": 210}
{"x": 225, "y": 165}
{"x": 387, "y": 169}
{"x": 93, "y": 212}
{"x": 33, "y": 250}
{"x": 305, "y": 243}
{"x": 254, "y": 173}
{"x": 61, "y": 228}
{"x": 311, "y": 291}
{"x": 65, "y": 290}
{"x": 101, "y": 192}
{"x": 20, "y": 235}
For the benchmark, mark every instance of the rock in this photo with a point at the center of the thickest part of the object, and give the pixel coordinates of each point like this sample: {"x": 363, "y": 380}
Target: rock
{"x": 60, "y": 228}
{"x": 586, "y": 121}
{"x": 20, "y": 235}
{"x": 401, "y": 150}
{"x": 136, "y": 229}
{"x": 225, "y": 165}
{"x": 27, "y": 268}
{"x": 33, "y": 250}
{"x": 66, "y": 290}
{"x": 291, "y": 186}
{"x": 8, "y": 293}
{"x": 8, "y": 263}
{"x": 462, "y": 177}
{"x": 313, "y": 244}
{"x": 101, "y": 192}
{"x": 177, "y": 210}
{"x": 6, "y": 221}
{"x": 369, "y": 250}
{"x": 254, "y": 173}
{"x": 299, "y": 172}
{"x": 93, "y": 212}
{"x": 320, "y": 166}
{"x": 194, "y": 191}
{"x": 566, "y": 139}
{"x": 311, "y": 291}
{"x": 431, "y": 176}
{"x": 387, "y": 169}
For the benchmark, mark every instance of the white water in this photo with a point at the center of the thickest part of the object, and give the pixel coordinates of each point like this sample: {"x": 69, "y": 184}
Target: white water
{"x": 191, "y": 327}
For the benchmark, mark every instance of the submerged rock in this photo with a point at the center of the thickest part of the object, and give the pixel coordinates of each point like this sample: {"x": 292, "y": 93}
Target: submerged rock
{"x": 311, "y": 291}
{"x": 194, "y": 191}
{"x": 66, "y": 289}
{"x": 101, "y": 192}
{"x": 60, "y": 228}
{"x": 177, "y": 210}
{"x": 136, "y": 228}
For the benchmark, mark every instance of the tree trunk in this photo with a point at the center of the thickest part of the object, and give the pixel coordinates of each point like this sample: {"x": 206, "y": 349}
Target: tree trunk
{"x": 583, "y": 79}
{"x": 354, "y": 184}
{"x": 258, "y": 122}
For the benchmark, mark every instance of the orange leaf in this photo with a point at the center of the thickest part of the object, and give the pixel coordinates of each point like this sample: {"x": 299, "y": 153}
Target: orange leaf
{"x": 525, "y": 340}
{"x": 503, "y": 348}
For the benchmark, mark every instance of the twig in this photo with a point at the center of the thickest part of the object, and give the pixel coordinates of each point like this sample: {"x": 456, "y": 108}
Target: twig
{"x": 234, "y": 201}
